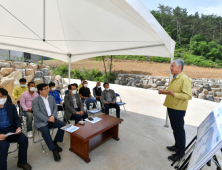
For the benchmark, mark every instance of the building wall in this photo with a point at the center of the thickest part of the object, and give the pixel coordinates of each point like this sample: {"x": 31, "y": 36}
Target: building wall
{"x": 16, "y": 56}
{"x": 4, "y": 54}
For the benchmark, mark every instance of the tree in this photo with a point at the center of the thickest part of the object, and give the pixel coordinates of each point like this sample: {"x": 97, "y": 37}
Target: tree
{"x": 180, "y": 15}
{"x": 109, "y": 60}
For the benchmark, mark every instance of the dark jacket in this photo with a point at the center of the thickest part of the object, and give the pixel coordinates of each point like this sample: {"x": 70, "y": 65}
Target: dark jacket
{"x": 9, "y": 100}
{"x": 69, "y": 107}
{"x": 97, "y": 91}
{"x": 13, "y": 115}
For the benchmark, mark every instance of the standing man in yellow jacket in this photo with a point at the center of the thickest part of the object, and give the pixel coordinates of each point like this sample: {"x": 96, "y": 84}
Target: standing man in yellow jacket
{"x": 178, "y": 94}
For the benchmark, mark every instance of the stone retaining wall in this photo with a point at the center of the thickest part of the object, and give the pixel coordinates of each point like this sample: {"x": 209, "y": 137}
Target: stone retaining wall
{"x": 12, "y": 72}
{"x": 207, "y": 89}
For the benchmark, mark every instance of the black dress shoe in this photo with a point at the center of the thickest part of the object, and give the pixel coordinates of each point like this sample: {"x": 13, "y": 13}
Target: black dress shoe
{"x": 171, "y": 148}
{"x": 24, "y": 166}
{"x": 209, "y": 163}
{"x": 56, "y": 155}
{"x": 173, "y": 158}
{"x": 59, "y": 149}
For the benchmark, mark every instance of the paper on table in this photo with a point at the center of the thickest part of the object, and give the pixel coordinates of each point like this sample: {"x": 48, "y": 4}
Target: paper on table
{"x": 95, "y": 119}
{"x": 70, "y": 128}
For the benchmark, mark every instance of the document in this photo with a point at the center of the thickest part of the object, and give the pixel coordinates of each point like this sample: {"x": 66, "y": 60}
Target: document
{"x": 10, "y": 133}
{"x": 95, "y": 120}
{"x": 70, "y": 128}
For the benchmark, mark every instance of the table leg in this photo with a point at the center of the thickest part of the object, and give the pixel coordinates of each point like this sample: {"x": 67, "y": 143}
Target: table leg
{"x": 80, "y": 148}
{"x": 115, "y": 131}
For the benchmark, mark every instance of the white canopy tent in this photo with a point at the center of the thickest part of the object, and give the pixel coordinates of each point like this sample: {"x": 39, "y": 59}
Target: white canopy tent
{"x": 72, "y": 30}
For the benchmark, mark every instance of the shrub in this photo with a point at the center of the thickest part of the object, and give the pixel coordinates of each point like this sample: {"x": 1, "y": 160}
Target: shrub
{"x": 92, "y": 75}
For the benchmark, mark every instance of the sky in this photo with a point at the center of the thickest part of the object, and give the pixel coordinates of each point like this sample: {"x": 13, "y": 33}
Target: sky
{"x": 192, "y": 6}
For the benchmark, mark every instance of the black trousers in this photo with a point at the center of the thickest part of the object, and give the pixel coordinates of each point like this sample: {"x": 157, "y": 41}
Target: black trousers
{"x": 78, "y": 117}
{"x": 20, "y": 112}
{"x": 21, "y": 139}
{"x": 177, "y": 124}
{"x": 46, "y": 133}
{"x": 116, "y": 106}
{"x": 60, "y": 108}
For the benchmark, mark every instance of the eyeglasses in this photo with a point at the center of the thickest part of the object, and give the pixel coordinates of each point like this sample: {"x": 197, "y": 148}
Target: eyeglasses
{"x": 46, "y": 89}
{"x": 2, "y": 97}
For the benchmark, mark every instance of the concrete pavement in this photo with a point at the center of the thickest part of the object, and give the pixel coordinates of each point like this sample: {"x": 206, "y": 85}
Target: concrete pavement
{"x": 143, "y": 137}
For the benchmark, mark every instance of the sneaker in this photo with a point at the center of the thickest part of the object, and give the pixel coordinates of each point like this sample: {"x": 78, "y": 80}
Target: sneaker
{"x": 171, "y": 148}
{"x": 30, "y": 134}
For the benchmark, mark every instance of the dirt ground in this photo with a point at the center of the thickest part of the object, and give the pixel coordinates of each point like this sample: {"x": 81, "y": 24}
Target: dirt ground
{"x": 142, "y": 68}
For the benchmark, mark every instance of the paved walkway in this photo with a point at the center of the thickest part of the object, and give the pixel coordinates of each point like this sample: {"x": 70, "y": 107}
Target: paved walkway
{"x": 142, "y": 137}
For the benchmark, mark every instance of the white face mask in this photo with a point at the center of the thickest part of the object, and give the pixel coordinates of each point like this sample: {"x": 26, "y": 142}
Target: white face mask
{"x": 54, "y": 88}
{"x": 99, "y": 86}
{"x": 85, "y": 85}
{"x": 107, "y": 89}
{"x": 2, "y": 101}
{"x": 73, "y": 91}
{"x": 32, "y": 88}
{"x": 22, "y": 85}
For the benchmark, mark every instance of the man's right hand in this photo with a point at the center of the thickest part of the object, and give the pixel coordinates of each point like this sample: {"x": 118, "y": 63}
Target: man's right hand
{"x": 79, "y": 113}
{"x": 107, "y": 103}
{"x": 2, "y": 137}
{"x": 160, "y": 91}
{"x": 51, "y": 119}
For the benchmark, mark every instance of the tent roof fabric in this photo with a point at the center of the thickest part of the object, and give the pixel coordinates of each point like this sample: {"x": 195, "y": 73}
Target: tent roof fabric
{"x": 82, "y": 29}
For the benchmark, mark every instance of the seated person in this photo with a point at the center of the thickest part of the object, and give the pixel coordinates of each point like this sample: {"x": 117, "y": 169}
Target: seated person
{"x": 84, "y": 93}
{"x": 18, "y": 90}
{"x": 10, "y": 122}
{"x": 74, "y": 105}
{"x": 9, "y": 99}
{"x": 45, "y": 110}
{"x": 26, "y": 104}
{"x": 56, "y": 95}
{"x": 108, "y": 99}
{"x": 81, "y": 84}
{"x": 97, "y": 93}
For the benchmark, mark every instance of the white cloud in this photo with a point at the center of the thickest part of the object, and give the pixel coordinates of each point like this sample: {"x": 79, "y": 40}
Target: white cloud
{"x": 212, "y": 10}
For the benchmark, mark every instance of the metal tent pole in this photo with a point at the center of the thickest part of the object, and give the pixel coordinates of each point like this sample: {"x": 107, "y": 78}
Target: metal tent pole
{"x": 167, "y": 117}
{"x": 69, "y": 66}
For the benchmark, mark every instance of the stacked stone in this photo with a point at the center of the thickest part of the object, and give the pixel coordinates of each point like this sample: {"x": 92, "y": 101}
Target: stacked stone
{"x": 12, "y": 72}
{"x": 143, "y": 81}
{"x": 202, "y": 88}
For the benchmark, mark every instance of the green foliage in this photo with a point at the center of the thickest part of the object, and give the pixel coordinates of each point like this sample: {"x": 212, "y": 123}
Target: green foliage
{"x": 209, "y": 50}
{"x": 190, "y": 59}
{"x": 92, "y": 75}
{"x": 61, "y": 70}
{"x": 160, "y": 59}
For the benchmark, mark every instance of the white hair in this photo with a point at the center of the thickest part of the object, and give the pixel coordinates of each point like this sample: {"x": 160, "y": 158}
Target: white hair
{"x": 179, "y": 62}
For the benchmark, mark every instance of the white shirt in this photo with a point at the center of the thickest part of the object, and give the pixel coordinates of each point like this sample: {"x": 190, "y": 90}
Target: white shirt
{"x": 46, "y": 102}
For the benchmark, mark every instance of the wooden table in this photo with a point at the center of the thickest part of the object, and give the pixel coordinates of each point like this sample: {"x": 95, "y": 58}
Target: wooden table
{"x": 90, "y": 135}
